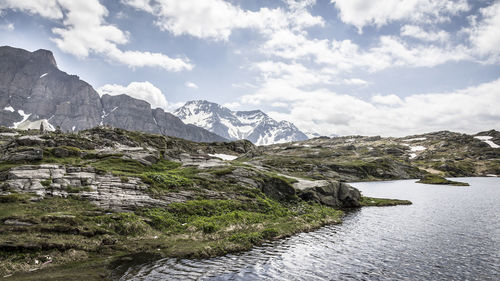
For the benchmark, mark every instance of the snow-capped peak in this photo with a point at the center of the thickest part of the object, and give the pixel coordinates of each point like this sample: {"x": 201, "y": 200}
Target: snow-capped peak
{"x": 253, "y": 125}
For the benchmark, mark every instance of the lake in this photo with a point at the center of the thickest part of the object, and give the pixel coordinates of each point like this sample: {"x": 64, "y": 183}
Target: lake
{"x": 449, "y": 233}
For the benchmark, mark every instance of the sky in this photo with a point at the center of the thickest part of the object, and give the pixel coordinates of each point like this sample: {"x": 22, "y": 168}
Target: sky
{"x": 347, "y": 67}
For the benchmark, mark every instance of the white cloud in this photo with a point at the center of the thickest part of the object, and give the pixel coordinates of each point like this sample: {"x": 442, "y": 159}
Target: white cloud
{"x": 345, "y": 55}
{"x": 355, "y": 81}
{"x": 191, "y": 85}
{"x": 139, "y": 90}
{"x": 387, "y": 100}
{"x": 216, "y": 19}
{"x": 485, "y": 33}
{"x": 84, "y": 30}
{"x": 243, "y": 85}
{"x": 417, "y": 32}
{"x": 45, "y": 8}
{"x": 8, "y": 26}
{"x": 467, "y": 110}
{"x": 361, "y": 13}
{"x": 232, "y": 105}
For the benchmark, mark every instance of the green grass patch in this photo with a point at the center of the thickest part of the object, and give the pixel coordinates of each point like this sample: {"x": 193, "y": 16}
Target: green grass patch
{"x": 436, "y": 179}
{"x": 380, "y": 202}
{"x": 166, "y": 180}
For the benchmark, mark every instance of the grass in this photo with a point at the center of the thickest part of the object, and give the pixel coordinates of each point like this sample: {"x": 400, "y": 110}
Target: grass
{"x": 70, "y": 230}
{"x": 380, "y": 202}
{"x": 436, "y": 179}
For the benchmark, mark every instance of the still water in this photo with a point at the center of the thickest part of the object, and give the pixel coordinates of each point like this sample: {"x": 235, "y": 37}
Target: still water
{"x": 449, "y": 233}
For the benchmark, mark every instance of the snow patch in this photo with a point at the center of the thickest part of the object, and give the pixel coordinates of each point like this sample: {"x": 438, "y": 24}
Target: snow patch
{"x": 43, "y": 75}
{"x": 415, "y": 139}
{"x": 487, "y": 139}
{"x": 417, "y": 148}
{"x": 35, "y": 125}
{"x": 491, "y": 175}
{"x": 104, "y": 115}
{"x": 413, "y": 155}
{"x": 483, "y": 138}
{"x": 224, "y": 156}
{"x": 25, "y": 117}
{"x": 9, "y": 108}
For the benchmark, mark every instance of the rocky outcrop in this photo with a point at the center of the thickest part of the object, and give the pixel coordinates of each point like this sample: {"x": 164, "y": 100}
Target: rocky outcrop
{"x": 34, "y": 90}
{"x": 333, "y": 194}
{"x": 106, "y": 191}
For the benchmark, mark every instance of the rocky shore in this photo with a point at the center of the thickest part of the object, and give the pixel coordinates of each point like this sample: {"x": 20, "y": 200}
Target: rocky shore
{"x": 75, "y": 204}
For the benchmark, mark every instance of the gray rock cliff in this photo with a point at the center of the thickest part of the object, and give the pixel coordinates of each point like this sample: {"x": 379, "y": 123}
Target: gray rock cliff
{"x": 34, "y": 90}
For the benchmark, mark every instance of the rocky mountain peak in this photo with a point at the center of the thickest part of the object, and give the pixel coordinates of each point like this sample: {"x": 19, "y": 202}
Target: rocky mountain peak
{"x": 253, "y": 125}
{"x": 34, "y": 91}
{"x": 45, "y": 57}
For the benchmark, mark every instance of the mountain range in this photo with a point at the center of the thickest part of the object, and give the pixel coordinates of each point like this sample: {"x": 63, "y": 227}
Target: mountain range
{"x": 255, "y": 125}
{"x": 33, "y": 90}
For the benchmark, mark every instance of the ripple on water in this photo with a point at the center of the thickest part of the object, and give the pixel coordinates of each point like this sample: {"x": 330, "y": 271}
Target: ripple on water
{"x": 449, "y": 233}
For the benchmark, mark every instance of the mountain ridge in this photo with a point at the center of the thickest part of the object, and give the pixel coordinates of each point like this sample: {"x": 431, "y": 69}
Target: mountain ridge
{"x": 34, "y": 90}
{"x": 253, "y": 125}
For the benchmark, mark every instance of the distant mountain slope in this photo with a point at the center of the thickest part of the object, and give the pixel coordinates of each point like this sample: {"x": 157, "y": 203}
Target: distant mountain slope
{"x": 33, "y": 91}
{"x": 254, "y": 126}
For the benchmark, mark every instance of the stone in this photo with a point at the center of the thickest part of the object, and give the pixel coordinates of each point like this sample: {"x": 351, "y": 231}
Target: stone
{"x": 24, "y": 155}
{"x": 334, "y": 194}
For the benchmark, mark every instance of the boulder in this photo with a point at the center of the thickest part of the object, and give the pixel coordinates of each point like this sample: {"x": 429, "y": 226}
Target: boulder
{"x": 334, "y": 194}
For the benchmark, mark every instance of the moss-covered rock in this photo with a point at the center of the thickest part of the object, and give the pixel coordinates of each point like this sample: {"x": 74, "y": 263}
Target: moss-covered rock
{"x": 436, "y": 179}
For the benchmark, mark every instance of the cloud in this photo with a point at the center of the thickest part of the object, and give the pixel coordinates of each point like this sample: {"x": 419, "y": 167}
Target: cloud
{"x": 355, "y": 81}
{"x": 45, "y": 8}
{"x": 84, "y": 31}
{"x": 216, "y": 19}
{"x": 484, "y": 33}
{"x": 243, "y": 85}
{"x": 467, "y": 110}
{"x": 417, "y": 32}
{"x": 191, "y": 85}
{"x": 361, "y": 13}
{"x": 345, "y": 55}
{"x": 8, "y": 26}
{"x": 232, "y": 105}
{"x": 387, "y": 100}
{"x": 139, "y": 90}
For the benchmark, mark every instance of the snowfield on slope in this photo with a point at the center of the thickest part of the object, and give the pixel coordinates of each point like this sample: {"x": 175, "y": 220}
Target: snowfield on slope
{"x": 487, "y": 139}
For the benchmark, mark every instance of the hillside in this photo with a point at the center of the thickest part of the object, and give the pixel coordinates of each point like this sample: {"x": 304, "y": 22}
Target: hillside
{"x": 103, "y": 193}
{"x": 358, "y": 158}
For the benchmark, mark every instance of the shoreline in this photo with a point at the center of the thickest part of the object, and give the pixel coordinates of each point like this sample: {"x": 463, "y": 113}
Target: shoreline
{"x": 97, "y": 266}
